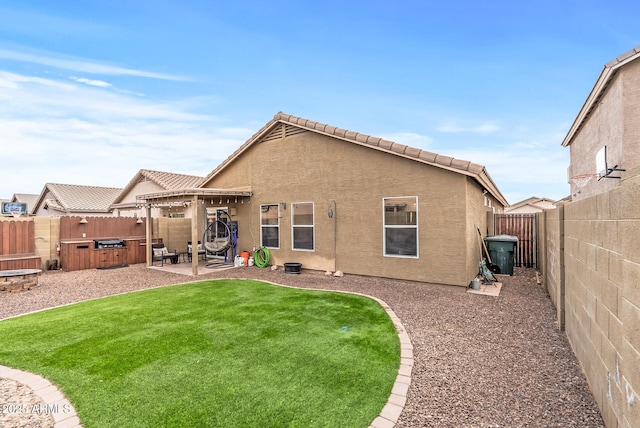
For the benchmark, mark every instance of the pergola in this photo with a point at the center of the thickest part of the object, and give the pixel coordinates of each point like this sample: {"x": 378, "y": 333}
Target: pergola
{"x": 185, "y": 196}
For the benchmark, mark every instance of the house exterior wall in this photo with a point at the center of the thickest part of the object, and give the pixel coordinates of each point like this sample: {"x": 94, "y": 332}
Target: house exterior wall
{"x": 476, "y": 218}
{"x": 631, "y": 92}
{"x": 613, "y": 123}
{"x": 145, "y": 187}
{"x": 597, "y": 294}
{"x": 311, "y": 167}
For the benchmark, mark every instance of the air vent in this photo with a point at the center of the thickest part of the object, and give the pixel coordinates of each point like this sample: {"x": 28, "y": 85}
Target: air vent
{"x": 276, "y": 134}
{"x": 290, "y": 130}
{"x": 284, "y": 130}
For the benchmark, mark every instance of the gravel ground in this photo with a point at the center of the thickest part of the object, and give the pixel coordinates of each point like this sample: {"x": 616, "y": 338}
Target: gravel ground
{"x": 479, "y": 361}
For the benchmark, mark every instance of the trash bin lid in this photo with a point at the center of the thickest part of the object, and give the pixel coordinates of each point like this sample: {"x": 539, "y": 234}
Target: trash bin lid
{"x": 502, "y": 238}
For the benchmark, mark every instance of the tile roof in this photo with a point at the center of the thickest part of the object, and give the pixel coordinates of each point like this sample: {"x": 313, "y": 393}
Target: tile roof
{"x": 166, "y": 180}
{"x": 531, "y": 201}
{"x": 476, "y": 171}
{"x": 74, "y": 198}
{"x": 607, "y": 75}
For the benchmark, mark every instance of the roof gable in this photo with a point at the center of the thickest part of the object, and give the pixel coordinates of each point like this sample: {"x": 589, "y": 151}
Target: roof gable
{"x": 283, "y": 125}
{"x": 30, "y": 199}
{"x": 166, "y": 180}
{"x": 534, "y": 202}
{"x": 77, "y": 198}
{"x": 609, "y": 72}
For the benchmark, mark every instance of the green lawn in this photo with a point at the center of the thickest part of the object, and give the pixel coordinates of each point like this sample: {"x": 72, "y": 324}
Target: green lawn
{"x": 226, "y": 353}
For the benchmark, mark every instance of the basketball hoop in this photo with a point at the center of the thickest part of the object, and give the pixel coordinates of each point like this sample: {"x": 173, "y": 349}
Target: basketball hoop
{"x": 582, "y": 179}
{"x": 16, "y": 214}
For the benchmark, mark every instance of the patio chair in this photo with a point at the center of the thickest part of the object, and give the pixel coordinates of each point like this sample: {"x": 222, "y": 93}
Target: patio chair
{"x": 202, "y": 253}
{"x": 160, "y": 253}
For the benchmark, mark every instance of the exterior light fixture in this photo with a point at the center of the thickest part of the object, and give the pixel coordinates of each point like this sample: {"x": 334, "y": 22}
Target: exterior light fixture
{"x": 83, "y": 220}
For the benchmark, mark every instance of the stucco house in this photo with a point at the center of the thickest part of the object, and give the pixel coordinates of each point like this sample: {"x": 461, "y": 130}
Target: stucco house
{"x": 57, "y": 200}
{"x": 26, "y": 198}
{"x": 531, "y": 205}
{"x": 606, "y": 128}
{"x": 337, "y": 200}
{"x": 149, "y": 181}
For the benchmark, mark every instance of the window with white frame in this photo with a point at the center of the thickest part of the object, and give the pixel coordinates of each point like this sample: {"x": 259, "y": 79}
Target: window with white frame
{"x": 270, "y": 225}
{"x": 400, "y": 220}
{"x": 302, "y": 227}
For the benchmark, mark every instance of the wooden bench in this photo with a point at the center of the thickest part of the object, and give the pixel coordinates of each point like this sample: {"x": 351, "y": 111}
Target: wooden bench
{"x": 20, "y": 261}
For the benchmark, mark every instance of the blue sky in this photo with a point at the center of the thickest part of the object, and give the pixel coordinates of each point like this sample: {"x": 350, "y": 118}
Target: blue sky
{"x": 93, "y": 91}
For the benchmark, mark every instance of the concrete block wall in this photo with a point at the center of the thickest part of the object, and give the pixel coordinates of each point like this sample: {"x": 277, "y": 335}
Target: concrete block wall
{"x": 175, "y": 232}
{"x": 552, "y": 264}
{"x": 600, "y": 248}
{"x": 47, "y": 231}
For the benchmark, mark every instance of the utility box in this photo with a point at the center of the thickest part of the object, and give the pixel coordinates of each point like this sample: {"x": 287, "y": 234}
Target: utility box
{"x": 501, "y": 250}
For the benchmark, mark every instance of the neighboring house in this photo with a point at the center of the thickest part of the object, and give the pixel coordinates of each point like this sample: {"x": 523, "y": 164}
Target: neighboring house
{"x": 530, "y": 206}
{"x": 607, "y": 126}
{"x": 147, "y": 181}
{"x": 336, "y": 200}
{"x": 26, "y": 198}
{"x": 57, "y": 200}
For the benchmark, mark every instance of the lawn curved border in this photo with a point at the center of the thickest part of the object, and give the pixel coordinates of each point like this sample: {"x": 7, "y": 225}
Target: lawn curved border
{"x": 395, "y": 404}
{"x": 55, "y": 403}
{"x": 387, "y": 418}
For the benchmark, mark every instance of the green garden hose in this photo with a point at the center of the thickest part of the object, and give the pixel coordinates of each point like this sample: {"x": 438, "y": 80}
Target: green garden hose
{"x": 261, "y": 257}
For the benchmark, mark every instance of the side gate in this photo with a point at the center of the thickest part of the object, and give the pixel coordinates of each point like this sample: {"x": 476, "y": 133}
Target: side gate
{"x": 524, "y": 227}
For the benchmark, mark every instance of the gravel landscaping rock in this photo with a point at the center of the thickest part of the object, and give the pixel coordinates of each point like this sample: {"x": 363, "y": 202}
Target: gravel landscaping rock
{"x": 479, "y": 361}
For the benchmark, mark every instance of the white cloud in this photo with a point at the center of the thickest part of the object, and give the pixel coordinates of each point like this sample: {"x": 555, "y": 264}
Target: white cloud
{"x": 82, "y": 65}
{"x": 483, "y": 128}
{"x": 90, "y": 82}
{"x": 55, "y": 131}
{"x": 523, "y": 172}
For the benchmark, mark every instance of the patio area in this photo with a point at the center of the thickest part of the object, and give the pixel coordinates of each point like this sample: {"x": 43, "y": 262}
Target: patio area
{"x": 184, "y": 267}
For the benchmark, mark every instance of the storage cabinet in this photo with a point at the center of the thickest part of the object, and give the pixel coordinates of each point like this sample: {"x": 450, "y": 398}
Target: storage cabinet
{"x": 109, "y": 257}
{"x": 76, "y": 255}
{"x": 82, "y": 254}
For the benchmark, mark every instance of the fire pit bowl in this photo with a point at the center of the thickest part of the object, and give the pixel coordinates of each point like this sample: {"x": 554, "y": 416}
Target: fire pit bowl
{"x": 292, "y": 267}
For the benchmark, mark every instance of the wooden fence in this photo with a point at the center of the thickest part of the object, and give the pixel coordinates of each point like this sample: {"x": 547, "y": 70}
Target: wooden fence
{"x": 524, "y": 227}
{"x": 74, "y": 227}
{"x": 17, "y": 245}
{"x": 78, "y": 250}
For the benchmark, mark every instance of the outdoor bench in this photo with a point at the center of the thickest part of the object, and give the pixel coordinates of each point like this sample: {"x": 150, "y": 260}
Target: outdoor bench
{"x": 20, "y": 261}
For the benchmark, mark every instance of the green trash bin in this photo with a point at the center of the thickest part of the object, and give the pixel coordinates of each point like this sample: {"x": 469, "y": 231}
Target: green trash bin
{"x": 501, "y": 250}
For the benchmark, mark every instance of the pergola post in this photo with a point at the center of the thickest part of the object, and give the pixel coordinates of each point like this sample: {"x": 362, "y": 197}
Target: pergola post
{"x": 148, "y": 235}
{"x": 194, "y": 236}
